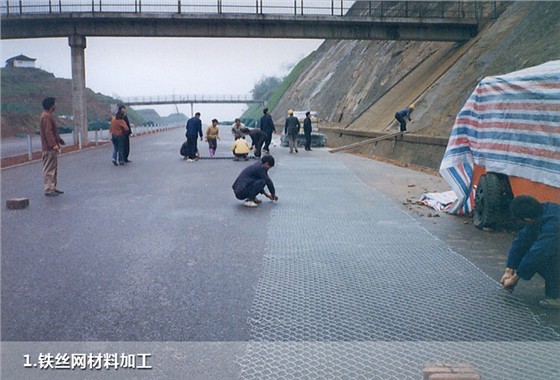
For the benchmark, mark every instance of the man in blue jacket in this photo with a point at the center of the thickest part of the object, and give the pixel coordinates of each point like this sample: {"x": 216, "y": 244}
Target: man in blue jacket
{"x": 402, "y": 115}
{"x": 252, "y": 180}
{"x": 267, "y": 126}
{"x": 536, "y": 248}
{"x": 194, "y": 129}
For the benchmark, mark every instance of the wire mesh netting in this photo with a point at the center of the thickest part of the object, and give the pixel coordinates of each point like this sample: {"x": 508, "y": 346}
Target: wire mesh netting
{"x": 352, "y": 287}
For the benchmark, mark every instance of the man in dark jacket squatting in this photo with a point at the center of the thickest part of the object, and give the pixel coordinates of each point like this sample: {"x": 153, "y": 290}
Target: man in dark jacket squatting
{"x": 252, "y": 180}
{"x": 536, "y": 248}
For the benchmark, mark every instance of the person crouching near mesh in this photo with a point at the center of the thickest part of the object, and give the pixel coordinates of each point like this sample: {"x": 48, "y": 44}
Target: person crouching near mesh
{"x": 252, "y": 180}
{"x": 536, "y": 248}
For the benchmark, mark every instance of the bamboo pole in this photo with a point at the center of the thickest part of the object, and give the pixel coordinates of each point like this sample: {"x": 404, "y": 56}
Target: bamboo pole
{"x": 355, "y": 145}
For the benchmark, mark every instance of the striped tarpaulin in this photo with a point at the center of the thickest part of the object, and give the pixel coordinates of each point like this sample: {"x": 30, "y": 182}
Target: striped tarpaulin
{"x": 511, "y": 125}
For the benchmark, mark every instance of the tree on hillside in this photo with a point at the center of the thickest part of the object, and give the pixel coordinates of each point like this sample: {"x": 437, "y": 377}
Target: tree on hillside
{"x": 264, "y": 88}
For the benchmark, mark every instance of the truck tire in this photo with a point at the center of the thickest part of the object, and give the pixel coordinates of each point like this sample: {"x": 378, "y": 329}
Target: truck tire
{"x": 488, "y": 203}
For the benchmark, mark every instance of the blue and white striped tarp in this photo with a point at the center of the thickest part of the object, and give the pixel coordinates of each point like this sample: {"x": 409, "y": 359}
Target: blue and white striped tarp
{"x": 510, "y": 125}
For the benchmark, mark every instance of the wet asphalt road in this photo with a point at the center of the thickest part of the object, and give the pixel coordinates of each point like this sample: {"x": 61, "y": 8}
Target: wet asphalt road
{"x": 156, "y": 250}
{"x": 158, "y": 255}
{"x": 20, "y": 145}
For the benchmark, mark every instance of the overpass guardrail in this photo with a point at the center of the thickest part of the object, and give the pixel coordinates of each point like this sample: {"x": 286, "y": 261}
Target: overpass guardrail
{"x": 465, "y": 9}
{"x": 190, "y": 98}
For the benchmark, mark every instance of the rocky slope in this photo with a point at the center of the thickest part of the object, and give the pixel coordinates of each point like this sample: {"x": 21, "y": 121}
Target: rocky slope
{"x": 358, "y": 85}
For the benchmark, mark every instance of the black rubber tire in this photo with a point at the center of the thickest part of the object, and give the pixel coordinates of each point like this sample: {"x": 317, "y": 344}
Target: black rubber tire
{"x": 488, "y": 203}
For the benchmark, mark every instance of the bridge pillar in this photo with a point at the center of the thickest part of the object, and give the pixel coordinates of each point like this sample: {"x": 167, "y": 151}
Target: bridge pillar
{"x": 78, "y": 46}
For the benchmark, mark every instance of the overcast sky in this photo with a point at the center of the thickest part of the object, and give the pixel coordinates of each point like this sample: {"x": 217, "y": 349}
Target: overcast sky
{"x": 167, "y": 66}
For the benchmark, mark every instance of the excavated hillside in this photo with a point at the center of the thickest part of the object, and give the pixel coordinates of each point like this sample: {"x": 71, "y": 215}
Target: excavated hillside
{"x": 357, "y": 86}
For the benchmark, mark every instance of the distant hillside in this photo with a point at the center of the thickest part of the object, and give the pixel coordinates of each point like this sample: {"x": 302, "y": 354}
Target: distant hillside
{"x": 23, "y": 90}
{"x": 150, "y": 116}
{"x": 174, "y": 118}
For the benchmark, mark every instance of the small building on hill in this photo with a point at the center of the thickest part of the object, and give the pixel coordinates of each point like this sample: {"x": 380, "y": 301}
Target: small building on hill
{"x": 21, "y": 61}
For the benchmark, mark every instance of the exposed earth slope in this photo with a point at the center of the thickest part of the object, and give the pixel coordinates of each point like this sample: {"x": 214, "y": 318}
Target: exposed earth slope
{"x": 358, "y": 85}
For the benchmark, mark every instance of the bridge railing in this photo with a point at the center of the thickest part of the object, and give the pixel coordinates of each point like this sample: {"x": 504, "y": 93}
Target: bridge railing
{"x": 191, "y": 98}
{"x": 460, "y": 9}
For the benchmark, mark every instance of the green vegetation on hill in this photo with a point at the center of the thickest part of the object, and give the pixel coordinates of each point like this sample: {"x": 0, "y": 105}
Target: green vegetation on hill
{"x": 23, "y": 90}
{"x": 255, "y": 111}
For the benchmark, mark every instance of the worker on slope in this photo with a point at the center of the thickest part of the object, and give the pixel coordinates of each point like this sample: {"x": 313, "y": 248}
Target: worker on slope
{"x": 402, "y": 115}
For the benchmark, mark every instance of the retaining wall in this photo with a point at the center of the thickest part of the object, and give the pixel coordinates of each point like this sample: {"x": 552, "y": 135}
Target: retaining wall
{"x": 410, "y": 148}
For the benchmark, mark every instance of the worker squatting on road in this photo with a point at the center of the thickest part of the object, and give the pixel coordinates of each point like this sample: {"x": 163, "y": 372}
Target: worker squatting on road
{"x": 536, "y": 248}
{"x": 252, "y": 180}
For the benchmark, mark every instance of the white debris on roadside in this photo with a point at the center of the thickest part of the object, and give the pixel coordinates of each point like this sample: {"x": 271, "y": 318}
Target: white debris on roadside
{"x": 438, "y": 201}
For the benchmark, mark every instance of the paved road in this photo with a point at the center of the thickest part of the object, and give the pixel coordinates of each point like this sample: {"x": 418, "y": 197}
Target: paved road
{"x": 333, "y": 281}
{"x": 20, "y": 145}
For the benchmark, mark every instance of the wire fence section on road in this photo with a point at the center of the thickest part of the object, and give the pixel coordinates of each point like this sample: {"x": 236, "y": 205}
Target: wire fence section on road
{"x": 463, "y": 9}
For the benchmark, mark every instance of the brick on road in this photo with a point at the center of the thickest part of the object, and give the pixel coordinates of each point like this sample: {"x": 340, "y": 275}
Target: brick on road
{"x": 17, "y": 203}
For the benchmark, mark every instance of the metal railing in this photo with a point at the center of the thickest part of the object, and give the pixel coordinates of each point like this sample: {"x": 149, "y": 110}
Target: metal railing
{"x": 190, "y": 98}
{"x": 30, "y": 143}
{"x": 459, "y": 9}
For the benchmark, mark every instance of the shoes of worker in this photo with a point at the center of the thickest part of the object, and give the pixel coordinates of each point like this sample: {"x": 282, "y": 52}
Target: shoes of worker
{"x": 249, "y": 203}
{"x": 58, "y": 191}
{"x": 51, "y": 194}
{"x": 257, "y": 200}
{"x": 550, "y": 303}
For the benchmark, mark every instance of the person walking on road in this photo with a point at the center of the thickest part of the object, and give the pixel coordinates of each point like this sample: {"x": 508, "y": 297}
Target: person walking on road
{"x": 127, "y": 134}
{"x": 212, "y": 137}
{"x": 118, "y": 129}
{"x": 536, "y": 248}
{"x": 291, "y": 129}
{"x": 252, "y": 180}
{"x": 50, "y": 147}
{"x": 194, "y": 129}
{"x": 257, "y": 140}
{"x": 307, "y": 127}
{"x": 402, "y": 115}
{"x": 267, "y": 126}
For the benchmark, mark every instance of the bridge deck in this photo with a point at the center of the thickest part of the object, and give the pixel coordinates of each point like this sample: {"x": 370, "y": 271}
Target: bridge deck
{"x": 407, "y": 20}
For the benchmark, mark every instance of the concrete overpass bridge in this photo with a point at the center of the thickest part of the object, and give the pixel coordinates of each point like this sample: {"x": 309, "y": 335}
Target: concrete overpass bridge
{"x": 306, "y": 19}
{"x": 190, "y": 99}
{"x": 320, "y": 19}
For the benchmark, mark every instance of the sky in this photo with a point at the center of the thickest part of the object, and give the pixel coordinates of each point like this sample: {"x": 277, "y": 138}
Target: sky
{"x": 131, "y": 67}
